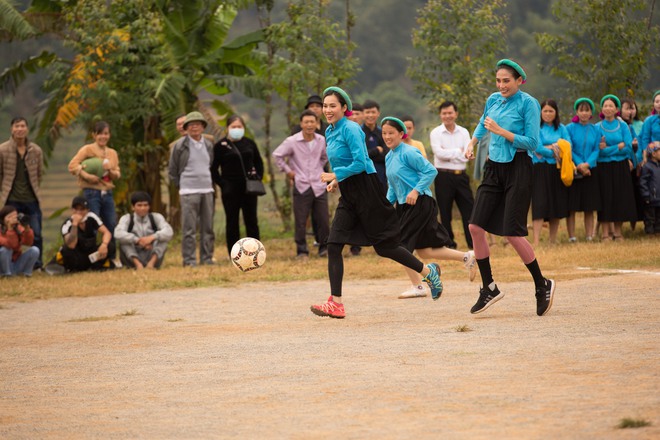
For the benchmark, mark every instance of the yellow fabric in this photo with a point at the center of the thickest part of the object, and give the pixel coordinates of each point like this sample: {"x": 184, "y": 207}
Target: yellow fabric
{"x": 565, "y": 164}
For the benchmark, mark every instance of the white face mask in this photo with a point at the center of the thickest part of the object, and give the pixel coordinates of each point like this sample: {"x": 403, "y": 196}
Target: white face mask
{"x": 236, "y": 134}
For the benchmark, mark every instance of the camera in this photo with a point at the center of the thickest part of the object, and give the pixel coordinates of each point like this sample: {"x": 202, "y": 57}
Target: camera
{"x": 23, "y": 219}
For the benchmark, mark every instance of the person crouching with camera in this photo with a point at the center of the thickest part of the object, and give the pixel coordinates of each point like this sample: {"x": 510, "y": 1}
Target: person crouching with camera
{"x": 15, "y": 232}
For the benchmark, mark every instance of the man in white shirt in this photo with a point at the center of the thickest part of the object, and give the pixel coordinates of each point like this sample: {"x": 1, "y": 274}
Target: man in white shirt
{"x": 449, "y": 142}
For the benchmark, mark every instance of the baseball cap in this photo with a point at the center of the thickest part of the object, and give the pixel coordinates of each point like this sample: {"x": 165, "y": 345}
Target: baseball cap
{"x": 79, "y": 201}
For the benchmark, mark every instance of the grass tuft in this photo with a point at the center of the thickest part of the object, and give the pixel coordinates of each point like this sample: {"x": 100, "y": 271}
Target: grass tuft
{"x": 93, "y": 319}
{"x": 175, "y": 320}
{"x": 462, "y": 328}
{"x": 627, "y": 422}
{"x": 131, "y": 312}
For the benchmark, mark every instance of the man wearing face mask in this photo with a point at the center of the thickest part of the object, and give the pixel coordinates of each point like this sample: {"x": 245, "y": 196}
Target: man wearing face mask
{"x": 234, "y": 157}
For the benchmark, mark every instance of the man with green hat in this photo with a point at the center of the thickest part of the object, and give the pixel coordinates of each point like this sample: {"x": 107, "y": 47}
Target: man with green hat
{"x": 190, "y": 171}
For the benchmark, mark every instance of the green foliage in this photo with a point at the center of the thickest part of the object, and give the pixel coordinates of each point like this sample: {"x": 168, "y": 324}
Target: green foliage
{"x": 607, "y": 46}
{"x": 12, "y": 23}
{"x": 305, "y": 53}
{"x": 314, "y": 54}
{"x": 457, "y": 41}
{"x": 12, "y": 77}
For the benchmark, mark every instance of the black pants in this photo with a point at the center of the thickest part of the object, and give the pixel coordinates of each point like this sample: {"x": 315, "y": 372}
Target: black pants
{"x": 303, "y": 205}
{"x": 336, "y": 262}
{"x": 234, "y": 201}
{"x": 652, "y": 219}
{"x": 77, "y": 260}
{"x": 450, "y": 187}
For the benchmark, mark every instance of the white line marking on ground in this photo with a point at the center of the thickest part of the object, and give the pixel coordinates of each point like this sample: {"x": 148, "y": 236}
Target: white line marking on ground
{"x": 619, "y": 270}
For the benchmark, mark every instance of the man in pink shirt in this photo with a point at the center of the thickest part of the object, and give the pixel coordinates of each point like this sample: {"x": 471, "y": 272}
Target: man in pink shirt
{"x": 302, "y": 157}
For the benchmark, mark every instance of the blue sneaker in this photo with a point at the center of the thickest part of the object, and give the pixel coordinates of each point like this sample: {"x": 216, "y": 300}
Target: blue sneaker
{"x": 433, "y": 280}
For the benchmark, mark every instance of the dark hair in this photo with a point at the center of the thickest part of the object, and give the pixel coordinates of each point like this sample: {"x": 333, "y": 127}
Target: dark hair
{"x": 394, "y": 124}
{"x": 18, "y": 119}
{"x": 181, "y": 115}
{"x": 370, "y": 103}
{"x": 513, "y": 71}
{"x": 405, "y": 118}
{"x": 100, "y": 126}
{"x": 140, "y": 196}
{"x": 308, "y": 112}
{"x": 340, "y": 98}
{"x": 447, "y": 104}
{"x": 234, "y": 118}
{"x": 631, "y": 102}
{"x": 358, "y": 107}
{"x": 553, "y": 104}
{"x": 4, "y": 212}
{"x": 584, "y": 104}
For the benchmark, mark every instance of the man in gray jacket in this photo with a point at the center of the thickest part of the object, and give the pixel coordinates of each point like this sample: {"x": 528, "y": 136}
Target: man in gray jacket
{"x": 142, "y": 235}
{"x": 190, "y": 171}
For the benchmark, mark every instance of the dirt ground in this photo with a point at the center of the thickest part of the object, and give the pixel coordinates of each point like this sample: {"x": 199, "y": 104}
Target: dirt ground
{"x": 253, "y": 362}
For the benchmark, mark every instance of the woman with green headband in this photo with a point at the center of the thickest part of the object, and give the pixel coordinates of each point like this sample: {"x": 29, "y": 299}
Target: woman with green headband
{"x": 364, "y": 216}
{"x": 615, "y": 163}
{"x": 409, "y": 176}
{"x": 584, "y": 193}
{"x": 513, "y": 119}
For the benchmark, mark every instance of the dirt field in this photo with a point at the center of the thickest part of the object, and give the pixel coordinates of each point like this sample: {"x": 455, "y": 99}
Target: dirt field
{"x": 253, "y": 362}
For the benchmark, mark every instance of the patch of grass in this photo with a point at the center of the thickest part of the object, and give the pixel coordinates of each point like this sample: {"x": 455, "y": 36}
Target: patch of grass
{"x": 131, "y": 312}
{"x": 637, "y": 252}
{"x": 462, "y": 328}
{"x": 94, "y": 319}
{"x": 175, "y": 320}
{"x": 628, "y": 422}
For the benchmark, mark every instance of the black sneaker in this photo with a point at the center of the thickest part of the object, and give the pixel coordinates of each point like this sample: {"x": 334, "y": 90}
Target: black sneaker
{"x": 544, "y": 297}
{"x": 486, "y": 299}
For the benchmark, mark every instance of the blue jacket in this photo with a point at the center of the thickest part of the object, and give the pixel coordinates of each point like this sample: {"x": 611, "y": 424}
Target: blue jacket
{"x": 549, "y": 136}
{"x": 650, "y": 131}
{"x": 521, "y": 115}
{"x": 614, "y": 133}
{"x": 407, "y": 169}
{"x": 584, "y": 143}
{"x": 347, "y": 151}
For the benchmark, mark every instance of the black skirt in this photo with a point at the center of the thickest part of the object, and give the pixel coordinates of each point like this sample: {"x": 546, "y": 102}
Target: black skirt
{"x": 420, "y": 227}
{"x": 616, "y": 192}
{"x": 584, "y": 194}
{"x": 502, "y": 201}
{"x": 549, "y": 194}
{"x": 364, "y": 216}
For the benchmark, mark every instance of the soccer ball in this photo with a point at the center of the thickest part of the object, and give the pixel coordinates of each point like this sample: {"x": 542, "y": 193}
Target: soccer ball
{"x": 248, "y": 254}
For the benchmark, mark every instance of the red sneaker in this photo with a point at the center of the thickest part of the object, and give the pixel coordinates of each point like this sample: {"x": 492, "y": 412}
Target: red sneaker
{"x": 329, "y": 308}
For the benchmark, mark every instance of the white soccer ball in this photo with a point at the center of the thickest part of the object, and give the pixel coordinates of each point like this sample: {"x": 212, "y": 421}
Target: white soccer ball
{"x": 248, "y": 254}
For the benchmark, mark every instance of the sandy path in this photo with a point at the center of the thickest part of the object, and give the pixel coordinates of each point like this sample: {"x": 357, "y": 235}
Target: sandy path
{"x": 253, "y": 362}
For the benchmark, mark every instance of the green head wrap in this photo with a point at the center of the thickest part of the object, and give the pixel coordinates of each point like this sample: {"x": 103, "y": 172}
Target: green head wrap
{"x": 397, "y": 121}
{"x": 349, "y": 104}
{"x": 515, "y": 66}
{"x": 588, "y": 101}
{"x": 613, "y": 98}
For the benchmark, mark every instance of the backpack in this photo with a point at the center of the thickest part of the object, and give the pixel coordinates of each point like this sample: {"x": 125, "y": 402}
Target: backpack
{"x": 152, "y": 220}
